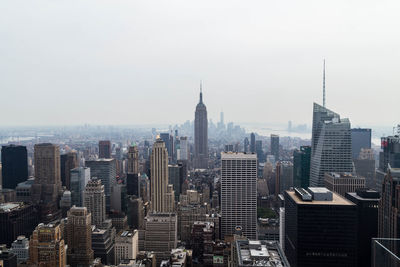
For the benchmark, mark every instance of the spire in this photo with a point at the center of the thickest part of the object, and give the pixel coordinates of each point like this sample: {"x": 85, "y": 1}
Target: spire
{"x": 323, "y": 86}
{"x": 201, "y": 92}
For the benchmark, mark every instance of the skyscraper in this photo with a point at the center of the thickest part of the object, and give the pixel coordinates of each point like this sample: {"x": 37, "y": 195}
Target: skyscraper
{"x": 183, "y": 148}
{"x": 14, "y": 165}
{"x": 201, "y": 135}
{"x": 79, "y": 237}
{"x": 252, "y": 143}
{"x": 360, "y": 138}
{"x": 104, "y": 169}
{"x": 105, "y": 149}
{"x": 159, "y": 176}
{"x": 79, "y": 178}
{"x": 47, "y": 247}
{"x": 246, "y": 144}
{"x": 133, "y": 160}
{"x": 68, "y": 162}
{"x": 160, "y": 234}
{"x": 47, "y": 187}
{"x": 94, "y": 201}
{"x": 367, "y": 211}
{"x": 330, "y": 145}
{"x": 275, "y": 146}
{"x": 320, "y": 228}
{"x": 167, "y": 140}
{"x": 239, "y": 193}
{"x": 389, "y": 205}
{"x": 301, "y": 167}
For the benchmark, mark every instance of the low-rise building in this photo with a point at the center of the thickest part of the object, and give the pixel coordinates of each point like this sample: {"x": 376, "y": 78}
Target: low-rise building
{"x": 20, "y": 247}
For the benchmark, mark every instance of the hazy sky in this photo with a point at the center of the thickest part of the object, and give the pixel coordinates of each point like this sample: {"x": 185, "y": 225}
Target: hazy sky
{"x": 140, "y": 62}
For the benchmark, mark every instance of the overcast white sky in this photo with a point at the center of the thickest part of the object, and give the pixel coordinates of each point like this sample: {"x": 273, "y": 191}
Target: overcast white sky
{"x": 140, "y": 62}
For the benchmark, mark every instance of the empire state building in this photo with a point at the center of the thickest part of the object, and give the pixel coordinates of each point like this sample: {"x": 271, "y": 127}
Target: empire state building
{"x": 200, "y": 135}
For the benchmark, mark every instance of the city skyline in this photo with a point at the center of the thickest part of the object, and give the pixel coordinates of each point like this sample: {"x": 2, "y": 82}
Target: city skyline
{"x": 250, "y": 53}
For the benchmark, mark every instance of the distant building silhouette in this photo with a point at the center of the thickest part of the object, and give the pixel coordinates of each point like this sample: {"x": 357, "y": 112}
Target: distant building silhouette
{"x": 360, "y": 138}
{"x": 105, "y": 149}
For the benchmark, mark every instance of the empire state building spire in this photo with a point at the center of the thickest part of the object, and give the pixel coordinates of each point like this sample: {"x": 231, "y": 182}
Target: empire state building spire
{"x": 201, "y": 93}
{"x": 201, "y": 134}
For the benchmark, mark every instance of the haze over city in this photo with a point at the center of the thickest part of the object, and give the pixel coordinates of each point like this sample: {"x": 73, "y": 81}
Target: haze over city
{"x": 136, "y": 62}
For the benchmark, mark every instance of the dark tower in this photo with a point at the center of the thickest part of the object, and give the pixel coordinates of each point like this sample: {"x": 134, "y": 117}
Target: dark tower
{"x": 104, "y": 149}
{"x": 252, "y": 143}
{"x": 201, "y": 135}
{"x": 14, "y": 165}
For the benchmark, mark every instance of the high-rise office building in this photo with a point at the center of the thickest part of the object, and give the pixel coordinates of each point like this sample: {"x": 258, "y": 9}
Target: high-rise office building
{"x": 183, "y": 148}
{"x": 301, "y": 167}
{"x": 47, "y": 173}
{"x": 246, "y": 145}
{"x": 239, "y": 193}
{"x": 201, "y": 135}
{"x": 342, "y": 183}
{"x": 360, "y": 138}
{"x": 68, "y": 162}
{"x": 284, "y": 176}
{"x": 104, "y": 169}
{"x": 133, "y": 160}
{"x": 16, "y": 219}
{"x": 367, "y": 221}
{"x": 275, "y": 146}
{"x": 104, "y": 149}
{"x": 80, "y": 176}
{"x": 47, "y": 247}
{"x": 365, "y": 167}
{"x": 133, "y": 184}
{"x": 330, "y": 145}
{"x": 389, "y": 205}
{"x": 175, "y": 177}
{"x": 252, "y": 143}
{"x": 160, "y": 234}
{"x": 259, "y": 151}
{"x": 159, "y": 177}
{"x": 320, "y": 228}
{"x": 390, "y": 154}
{"x": 94, "y": 200}
{"x": 14, "y": 166}
{"x": 79, "y": 237}
{"x": 166, "y": 137}
{"x": 46, "y": 189}
{"x": 135, "y": 212}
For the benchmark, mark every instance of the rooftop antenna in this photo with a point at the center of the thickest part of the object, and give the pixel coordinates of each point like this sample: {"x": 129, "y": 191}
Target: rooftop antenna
{"x": 323, "y": 86}
{"x": 201, "y": 92}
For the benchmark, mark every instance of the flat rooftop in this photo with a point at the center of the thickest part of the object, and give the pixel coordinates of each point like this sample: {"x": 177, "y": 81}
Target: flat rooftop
{"x": 260, "y": 253}
{"x": 237, "y": 155}
{"x": 336, "y": 200}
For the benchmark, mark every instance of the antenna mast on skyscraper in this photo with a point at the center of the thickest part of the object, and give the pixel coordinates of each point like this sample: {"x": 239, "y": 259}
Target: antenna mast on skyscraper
{"x": 323, "y": 86}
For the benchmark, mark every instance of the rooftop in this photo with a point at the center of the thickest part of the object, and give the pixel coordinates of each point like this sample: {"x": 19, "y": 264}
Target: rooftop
{"x": 260, "y": 253}
{"x": 10, "y": 206}
{"x": 237, "y": 155}
{"x": 336, "y": 199}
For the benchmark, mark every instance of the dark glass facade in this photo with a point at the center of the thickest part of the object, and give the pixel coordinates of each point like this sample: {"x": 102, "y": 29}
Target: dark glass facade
{"x": 367, "y": 211}
{"x": 320, "y": 234}
{"x": 301, "y": 167}
{"x": 14, "y": 165}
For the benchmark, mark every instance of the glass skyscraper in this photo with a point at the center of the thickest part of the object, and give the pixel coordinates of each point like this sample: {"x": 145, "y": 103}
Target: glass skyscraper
{"x": 330, "y": 145}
